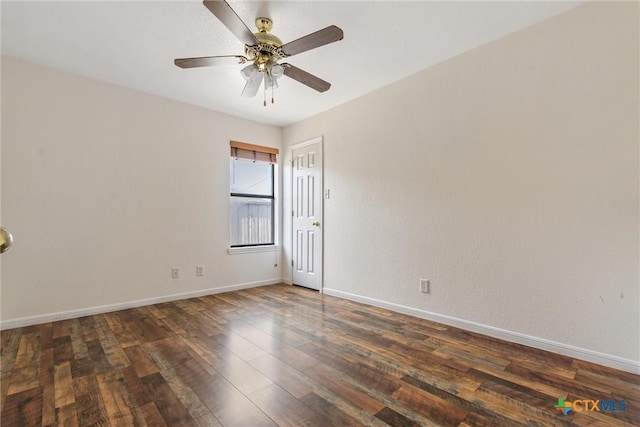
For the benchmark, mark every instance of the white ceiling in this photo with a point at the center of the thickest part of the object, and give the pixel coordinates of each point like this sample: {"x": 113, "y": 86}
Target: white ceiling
{"x": 133, "y": 44}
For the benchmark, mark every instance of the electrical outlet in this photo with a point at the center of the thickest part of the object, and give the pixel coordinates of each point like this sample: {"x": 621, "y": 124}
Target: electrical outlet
{"x": 424, "y": 286}
{"x": 175, "y": 273}
{"x": 199, "y": 270}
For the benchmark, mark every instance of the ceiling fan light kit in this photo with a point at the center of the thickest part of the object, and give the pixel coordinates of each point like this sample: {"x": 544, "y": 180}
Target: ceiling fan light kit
{"x": 264, "y": 50}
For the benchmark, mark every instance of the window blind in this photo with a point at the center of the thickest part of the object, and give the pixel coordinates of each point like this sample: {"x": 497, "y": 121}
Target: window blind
{"x": 257, "y": 153}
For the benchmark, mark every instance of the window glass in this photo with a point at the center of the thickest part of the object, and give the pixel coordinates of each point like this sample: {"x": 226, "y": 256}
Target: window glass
{"x": 248, "y": 177}
{"x": 252, "y": 203}
{"x": 251, "y": 221}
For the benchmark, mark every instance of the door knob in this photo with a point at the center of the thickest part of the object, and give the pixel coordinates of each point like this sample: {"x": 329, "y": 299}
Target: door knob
{"x": 5, "y": 240}
{"x": 315, "y": 224}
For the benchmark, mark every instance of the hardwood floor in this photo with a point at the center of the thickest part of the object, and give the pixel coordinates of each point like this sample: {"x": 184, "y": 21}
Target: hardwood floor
{"x": 284, "y": 355}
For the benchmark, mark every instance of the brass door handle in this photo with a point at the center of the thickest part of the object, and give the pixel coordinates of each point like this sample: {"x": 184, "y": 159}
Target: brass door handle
{"x": 5, "y": 240}
{"x": 315, "y": 224}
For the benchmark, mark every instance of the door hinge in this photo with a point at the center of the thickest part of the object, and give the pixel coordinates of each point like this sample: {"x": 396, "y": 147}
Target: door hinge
{"x": 291, "y": 263}
{"x": 293, "y": 213}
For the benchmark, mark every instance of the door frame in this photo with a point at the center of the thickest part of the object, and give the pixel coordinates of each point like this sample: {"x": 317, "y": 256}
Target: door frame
{"x": 320, "y": 141}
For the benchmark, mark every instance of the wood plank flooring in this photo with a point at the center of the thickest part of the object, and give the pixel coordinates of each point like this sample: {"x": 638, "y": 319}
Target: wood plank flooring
{"x": 288, "y": 356}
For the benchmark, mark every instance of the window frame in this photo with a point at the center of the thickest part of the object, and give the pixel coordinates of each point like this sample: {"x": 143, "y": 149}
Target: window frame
{"x": 239, "y": 151}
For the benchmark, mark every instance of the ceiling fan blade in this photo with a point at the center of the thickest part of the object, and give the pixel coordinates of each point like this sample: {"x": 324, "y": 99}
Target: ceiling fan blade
{"x": 311, "y": 41}
{"x": 231, "y": 20}
{"x": 208, "y": 61}
{"x": 305, "y": 78}
{"x": 251, "y": 88}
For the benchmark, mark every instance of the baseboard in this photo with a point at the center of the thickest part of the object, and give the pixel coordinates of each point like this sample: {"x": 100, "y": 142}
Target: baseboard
{"x": 89, "y": 311}
{"x": 611, "y": 361}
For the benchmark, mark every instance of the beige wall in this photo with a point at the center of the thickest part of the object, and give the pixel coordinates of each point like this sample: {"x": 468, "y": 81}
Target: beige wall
{"x": 106, "y": 189}
{"x": 507, "y": 176}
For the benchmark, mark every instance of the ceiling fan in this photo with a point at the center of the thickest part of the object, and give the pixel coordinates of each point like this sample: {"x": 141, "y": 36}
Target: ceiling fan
{"x": 263, "y": 50}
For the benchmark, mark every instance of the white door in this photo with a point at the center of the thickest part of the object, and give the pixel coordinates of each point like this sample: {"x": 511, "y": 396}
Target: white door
{"x": 307, "y": 214}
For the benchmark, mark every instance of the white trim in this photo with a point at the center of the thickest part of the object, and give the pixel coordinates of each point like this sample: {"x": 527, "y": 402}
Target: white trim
{"x": 609, "y": 360}
{"x": 89, "y": 311}
{"x": 307, "y": 142}
{"x": 252, "y": 249}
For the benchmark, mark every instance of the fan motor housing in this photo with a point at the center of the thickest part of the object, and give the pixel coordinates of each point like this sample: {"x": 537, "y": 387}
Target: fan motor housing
{"x": 264, "y": 26}
{"x": 268, "y": 47}
{"x": 268, "y": 38}
{"x": 264, "y": 51}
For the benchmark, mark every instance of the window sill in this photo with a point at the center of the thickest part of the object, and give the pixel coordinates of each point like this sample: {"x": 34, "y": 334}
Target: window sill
{"x": 252, "y": 249}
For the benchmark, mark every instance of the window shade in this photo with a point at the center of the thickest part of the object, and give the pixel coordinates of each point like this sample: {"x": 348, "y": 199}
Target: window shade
{"x": 257, "y": 153}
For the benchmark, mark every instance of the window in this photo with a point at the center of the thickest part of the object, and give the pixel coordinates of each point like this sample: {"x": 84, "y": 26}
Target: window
{"x": 252, "y": 195}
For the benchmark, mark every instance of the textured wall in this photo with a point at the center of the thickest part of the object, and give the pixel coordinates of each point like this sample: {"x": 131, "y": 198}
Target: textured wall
{"x": 507, "y": 176}
{"x": 106, "y": 189}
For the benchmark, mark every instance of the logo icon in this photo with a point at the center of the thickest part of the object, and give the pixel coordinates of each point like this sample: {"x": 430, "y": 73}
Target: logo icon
{"x": 563, "y": 406}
